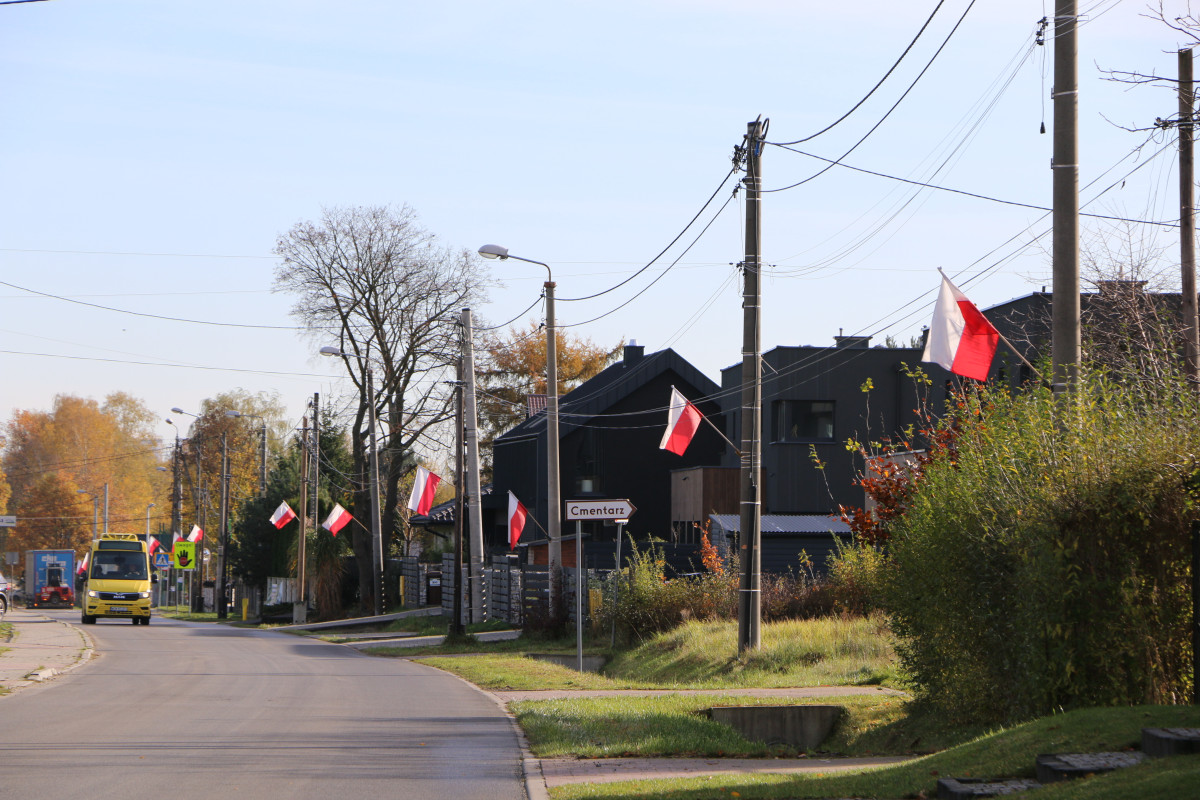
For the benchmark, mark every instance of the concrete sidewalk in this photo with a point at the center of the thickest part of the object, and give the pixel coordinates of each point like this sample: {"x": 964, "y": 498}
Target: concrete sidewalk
{"x": 39, "y": 649}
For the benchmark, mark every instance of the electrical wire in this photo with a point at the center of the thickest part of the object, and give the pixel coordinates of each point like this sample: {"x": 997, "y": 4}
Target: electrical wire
{"x": 152, "y": 316}
{"x": 678, "y": 236}
{"x": 886, "y": 75}
{"x": 895, "y": 105}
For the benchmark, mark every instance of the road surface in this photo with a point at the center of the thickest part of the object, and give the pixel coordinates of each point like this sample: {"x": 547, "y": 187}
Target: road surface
{"x": 185, "y": 710}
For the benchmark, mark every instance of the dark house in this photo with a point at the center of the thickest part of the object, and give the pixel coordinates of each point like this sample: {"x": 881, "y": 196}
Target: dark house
{"x": 609, "y": 433}
{"x": 815, "y": 399}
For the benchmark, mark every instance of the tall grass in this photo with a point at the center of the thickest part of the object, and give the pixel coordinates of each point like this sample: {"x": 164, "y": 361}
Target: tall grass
{"x": 810, "y": 652}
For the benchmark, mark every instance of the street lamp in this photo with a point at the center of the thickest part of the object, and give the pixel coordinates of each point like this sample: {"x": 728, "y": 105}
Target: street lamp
{"x": 148, "y": 507}
{"x": 262, "y": 456}
{"x": 373, "y": 462}
{"x": 553, "y": 509}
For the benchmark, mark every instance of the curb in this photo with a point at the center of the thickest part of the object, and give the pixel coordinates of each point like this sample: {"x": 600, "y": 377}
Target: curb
{"x": 85, "y": 655}
{"x": 531, "y": 765}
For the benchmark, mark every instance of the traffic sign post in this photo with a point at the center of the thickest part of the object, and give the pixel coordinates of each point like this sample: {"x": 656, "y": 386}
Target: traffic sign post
{"x": 579, "y": 510}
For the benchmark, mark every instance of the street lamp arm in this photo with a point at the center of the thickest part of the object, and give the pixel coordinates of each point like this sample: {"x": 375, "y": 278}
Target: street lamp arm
{"x": 496, "y": 251}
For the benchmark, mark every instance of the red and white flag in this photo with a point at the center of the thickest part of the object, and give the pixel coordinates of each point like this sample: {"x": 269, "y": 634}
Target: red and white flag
{"x": 337, "y": 519}
{"x": 178, "y": 537}
{"x": 960, "y": 338}
{"x": 82, "y": 568}
{"x": 683, "y": 419}
{"x": 152, "y": 544}
{"x": 283, "y": 515}
{"x": 516, "y": 520}
{"x": 196, "y": 535}
{"x": 424, "y": 486}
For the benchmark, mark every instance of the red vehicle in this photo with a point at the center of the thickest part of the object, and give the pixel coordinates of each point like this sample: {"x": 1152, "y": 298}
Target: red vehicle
{"x": 49, "y": 578}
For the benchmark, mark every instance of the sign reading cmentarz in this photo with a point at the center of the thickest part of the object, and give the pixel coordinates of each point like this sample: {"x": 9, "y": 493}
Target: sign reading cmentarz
{"x": 599, "y": 509}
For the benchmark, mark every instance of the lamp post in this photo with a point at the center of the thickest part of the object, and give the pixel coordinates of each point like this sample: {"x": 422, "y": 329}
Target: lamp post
{"x": 262, "y": 453}
{"x": 148, "y": 507}
{"x": 553, "y": 504}
{"x": 373, "y": 466}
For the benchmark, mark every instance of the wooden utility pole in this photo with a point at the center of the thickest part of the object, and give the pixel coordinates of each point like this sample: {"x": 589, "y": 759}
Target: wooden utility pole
{"x": 750, "y": 536}
{"x": 300, "y": 605}
{"x": 1065, "y": 335}
{"x": 1187, "y": 219}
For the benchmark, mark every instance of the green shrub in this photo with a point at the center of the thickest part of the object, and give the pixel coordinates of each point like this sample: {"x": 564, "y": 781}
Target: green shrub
{"x": 1046, "y": 565}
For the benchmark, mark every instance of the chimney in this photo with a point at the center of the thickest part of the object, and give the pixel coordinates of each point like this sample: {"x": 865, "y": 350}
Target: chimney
{"x": 855, "y": 342}
{"x": 633, "y": 352}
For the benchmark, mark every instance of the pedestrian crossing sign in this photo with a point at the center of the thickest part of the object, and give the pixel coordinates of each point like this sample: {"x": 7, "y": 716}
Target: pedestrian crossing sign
{"x": 162, "y": 561}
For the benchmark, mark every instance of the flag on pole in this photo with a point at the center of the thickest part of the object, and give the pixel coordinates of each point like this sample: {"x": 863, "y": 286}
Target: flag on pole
{"x": 82, "y": 568}
{"x": 424, "y": 486}
{"x": 283, "y": 515}
{"x": 683, "y": 419}
{"x": 337, "y": 519}
{"x": 152, "y": 544}
{"x": 960, "y": 338}
{"x": 196, "y": 535}
{"x": 178, "y": 537}
{"x": 516, "y": 520}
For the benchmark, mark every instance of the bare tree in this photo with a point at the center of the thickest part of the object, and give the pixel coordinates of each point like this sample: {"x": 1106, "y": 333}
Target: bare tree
{"x": 382, "y": 289}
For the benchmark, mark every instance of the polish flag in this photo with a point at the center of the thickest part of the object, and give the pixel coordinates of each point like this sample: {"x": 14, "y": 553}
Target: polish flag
{"x": 283, "y": 515}
{"x": 425, "y": 484}
{"x": 196, "y": 535}
{"x": 178, "y": 537}
{"x": 683, "y": 419}
{"x": 152, "y": 544}
{"x": 960, "y": 338}
{"x": 82, "y": 568}
{"x": 337, "y": 519}
{"x": 516, "y": 520}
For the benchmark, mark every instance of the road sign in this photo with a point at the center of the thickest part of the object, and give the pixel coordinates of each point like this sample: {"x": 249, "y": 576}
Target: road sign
{"x": 184, "y": 555}
{"x": 162, "y": 560}
{"x": 599, "y": 509}
{"x": 8, "y": 522}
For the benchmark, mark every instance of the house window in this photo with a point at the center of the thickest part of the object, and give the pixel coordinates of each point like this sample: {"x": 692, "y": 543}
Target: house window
{"x": 803, "y": 420}
{"x": 587, "y": 463}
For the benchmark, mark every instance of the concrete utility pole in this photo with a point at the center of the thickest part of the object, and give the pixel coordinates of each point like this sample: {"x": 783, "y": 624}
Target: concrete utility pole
{"x": 223, "y": 546}
{"x": 470, "y": 432}
{"x": 1065, "y": 336}
{"x": 300, "y": 607}
{"x": 376, "y": 523}
{"x": 1187, "y": 219}
{"x": 315, "y": 468}
{"x": 456, "y": 623}
{"x": 750, "y": 537}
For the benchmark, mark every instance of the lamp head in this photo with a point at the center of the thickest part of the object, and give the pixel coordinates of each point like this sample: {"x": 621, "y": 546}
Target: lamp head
{"x": 329, "y": 350}
{"x": 493, "y": 251}
{"x": 178, "y": 411}
{"x": 233, "y": 413}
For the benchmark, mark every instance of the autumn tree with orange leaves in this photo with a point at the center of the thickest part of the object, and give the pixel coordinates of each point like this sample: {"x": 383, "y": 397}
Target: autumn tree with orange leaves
{"x": 80, "y": 445}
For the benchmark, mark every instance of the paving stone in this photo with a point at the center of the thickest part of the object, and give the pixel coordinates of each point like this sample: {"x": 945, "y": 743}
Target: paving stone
{"x": 965, "y": 788}
{"x": 1051, "y": 768}
{"x": 1163, "y": 742}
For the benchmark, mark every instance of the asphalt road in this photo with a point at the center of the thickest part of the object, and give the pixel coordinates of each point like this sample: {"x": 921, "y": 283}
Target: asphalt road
{"x": 185, "y": 710}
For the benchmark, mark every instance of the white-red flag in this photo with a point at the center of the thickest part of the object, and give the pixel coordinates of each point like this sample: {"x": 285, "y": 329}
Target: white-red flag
{"x": 516, "y": 520}
{"x": 178, "y": 537}
{"x": 683, "y": 419}
{"x": 960, "y": 338}
{"x": 196, "y": 535}
{"x": 337, "y": 519}
{"x": 152, "y": 544}
{"x": 82, "y": 568}
{"x": 424, "y": 486}
{"x": 283, "y": 515}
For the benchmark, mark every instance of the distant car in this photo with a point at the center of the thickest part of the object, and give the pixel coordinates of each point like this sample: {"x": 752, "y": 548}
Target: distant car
{"x": 5, "y": 588}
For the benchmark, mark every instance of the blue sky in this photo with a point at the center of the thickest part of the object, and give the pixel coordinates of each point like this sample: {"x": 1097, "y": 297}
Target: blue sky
{"x": 152, "y": 152}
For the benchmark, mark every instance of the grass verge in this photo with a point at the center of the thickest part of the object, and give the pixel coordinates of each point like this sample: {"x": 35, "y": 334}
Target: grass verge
{"x": 678, "y": 726}
{"x": 1005, "y": 753}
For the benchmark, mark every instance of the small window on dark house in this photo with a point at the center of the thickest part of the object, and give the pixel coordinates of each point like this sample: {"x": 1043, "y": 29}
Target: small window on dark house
{"x": 803, "y": 420}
